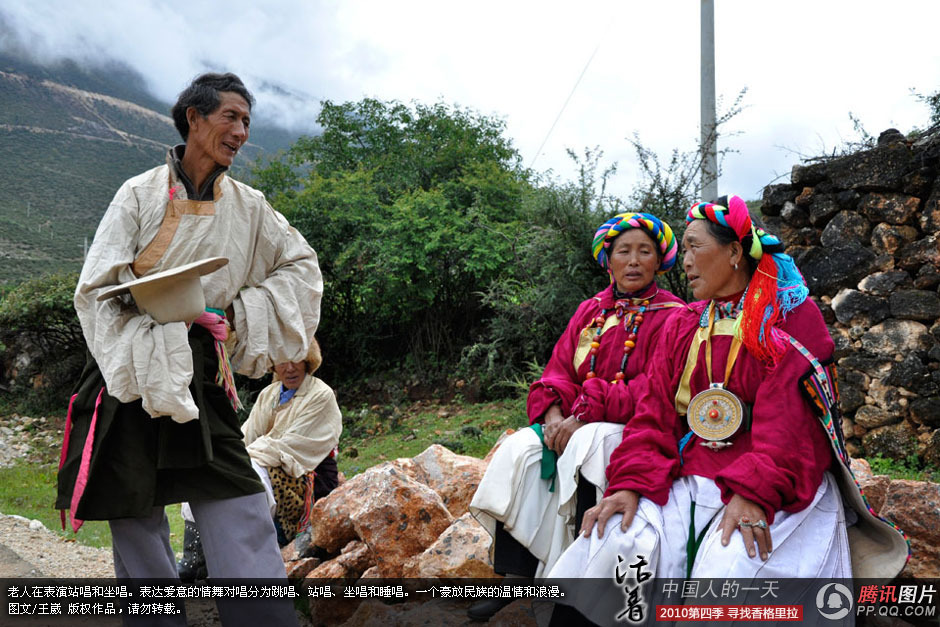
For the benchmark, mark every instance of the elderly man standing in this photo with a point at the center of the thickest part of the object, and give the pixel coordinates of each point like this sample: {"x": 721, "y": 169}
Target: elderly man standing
{"x": 152, "y": 421}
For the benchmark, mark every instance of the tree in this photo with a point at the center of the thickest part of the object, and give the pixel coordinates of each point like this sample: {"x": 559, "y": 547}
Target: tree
{"x": 411, "y": 210}
{"x": 933, "y": 104}
{"x": 552, "y": 272}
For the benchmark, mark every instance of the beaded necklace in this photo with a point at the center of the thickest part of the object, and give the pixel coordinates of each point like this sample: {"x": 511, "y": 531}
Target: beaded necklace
{"x": 634, "y": 319}
{"x": 729, "y": 307}
{"x": 633, "y": 314}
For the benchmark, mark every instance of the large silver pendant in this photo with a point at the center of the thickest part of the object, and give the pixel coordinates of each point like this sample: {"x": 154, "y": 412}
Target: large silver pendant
{"x": 715, "y": 414}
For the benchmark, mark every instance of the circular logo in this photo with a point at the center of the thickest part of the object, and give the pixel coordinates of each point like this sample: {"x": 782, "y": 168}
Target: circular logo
{"x": 834, "y": 601}
{"x": 715, "y": 414}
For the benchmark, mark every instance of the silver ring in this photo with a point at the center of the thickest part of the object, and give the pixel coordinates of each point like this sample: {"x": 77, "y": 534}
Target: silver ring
{"x": 760, "y": 524}
{"x": 744, "y": 522}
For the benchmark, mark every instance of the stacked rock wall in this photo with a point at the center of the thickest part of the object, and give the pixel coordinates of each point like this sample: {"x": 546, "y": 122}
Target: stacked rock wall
{"x": 864, "y": 230}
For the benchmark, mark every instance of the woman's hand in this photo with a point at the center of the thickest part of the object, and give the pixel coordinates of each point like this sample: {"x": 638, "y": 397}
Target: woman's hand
{"x": 623, "y": 501}
{"x": 559, "y": 432}
{"x": 747, "y": 516}
{"x": 553, "y": 418}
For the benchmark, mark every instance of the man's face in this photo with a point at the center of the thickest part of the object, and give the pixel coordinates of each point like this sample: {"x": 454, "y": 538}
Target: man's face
{"x": 291, "y": 374}
{"x": 220, "y": 135}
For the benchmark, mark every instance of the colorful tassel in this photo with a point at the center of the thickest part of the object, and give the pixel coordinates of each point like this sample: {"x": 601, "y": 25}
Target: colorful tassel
{"x": 225, "y": 378}
{"x": 213, "y": 320}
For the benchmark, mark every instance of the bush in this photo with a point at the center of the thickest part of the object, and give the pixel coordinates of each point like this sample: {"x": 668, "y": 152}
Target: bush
{"x": 37, "y": 319}
{"x": 552, "y": 272}
{"x": 41, "y": 310}
{"x": 411, "y": 211}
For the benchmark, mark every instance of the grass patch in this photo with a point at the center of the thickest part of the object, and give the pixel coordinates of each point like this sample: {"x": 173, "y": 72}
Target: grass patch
{"x": 29, "y": 490}
{"x": 370, "y": 435}
{"x": 910, "y": 468}
{"x": 378, "y": 433}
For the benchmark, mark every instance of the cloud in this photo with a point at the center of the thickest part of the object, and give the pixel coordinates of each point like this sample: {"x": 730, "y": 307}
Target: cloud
{"x": 806, "y": 65}
{"x": 276, "y": 51}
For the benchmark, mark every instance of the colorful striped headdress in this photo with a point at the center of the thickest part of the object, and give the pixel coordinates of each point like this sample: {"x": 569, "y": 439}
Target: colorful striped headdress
{"x": 775, "y": 289}
{"x": 657, "y": 229}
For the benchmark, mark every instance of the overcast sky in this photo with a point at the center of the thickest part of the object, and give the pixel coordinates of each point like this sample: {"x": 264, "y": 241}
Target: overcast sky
{"x": 805, "y": 64}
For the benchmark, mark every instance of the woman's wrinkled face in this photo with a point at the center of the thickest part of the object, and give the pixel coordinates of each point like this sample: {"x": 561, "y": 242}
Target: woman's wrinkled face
{"x": 708, "y": 264}
{"x": 291, "y": 373}
{"x": 633, "y": 259}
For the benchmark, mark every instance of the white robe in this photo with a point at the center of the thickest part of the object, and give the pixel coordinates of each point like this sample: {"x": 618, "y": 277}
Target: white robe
{"x": 513, "y": 492}
{"x": 297, "y": 435}
{"x": 809, "y": 544}
{"x": 272, "y": 281}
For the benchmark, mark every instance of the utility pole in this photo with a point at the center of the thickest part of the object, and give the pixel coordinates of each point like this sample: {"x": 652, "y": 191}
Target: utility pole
{"x": 709, "y": 138}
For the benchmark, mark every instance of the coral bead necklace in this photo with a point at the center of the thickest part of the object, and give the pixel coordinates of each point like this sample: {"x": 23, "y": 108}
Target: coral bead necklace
{"x": 633, "y": 312}
{"x": 633, "y": 318}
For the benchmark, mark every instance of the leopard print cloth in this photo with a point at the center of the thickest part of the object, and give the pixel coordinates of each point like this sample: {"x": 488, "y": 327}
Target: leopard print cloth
{"x": 293, "y": 496}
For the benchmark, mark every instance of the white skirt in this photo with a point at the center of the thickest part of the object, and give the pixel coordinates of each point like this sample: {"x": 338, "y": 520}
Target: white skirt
{"x": 513, "y": 492}
{"x": 811, "y": 543}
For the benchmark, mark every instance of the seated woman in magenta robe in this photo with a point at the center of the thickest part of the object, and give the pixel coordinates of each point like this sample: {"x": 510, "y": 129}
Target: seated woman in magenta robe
{"x": 580, "y": 404}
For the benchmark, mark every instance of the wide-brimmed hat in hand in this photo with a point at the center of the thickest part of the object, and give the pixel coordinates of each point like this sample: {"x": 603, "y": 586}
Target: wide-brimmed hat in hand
{"x": 173, "y": 295}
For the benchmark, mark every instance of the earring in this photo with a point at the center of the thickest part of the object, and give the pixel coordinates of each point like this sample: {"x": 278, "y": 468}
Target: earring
{"x": 735, "y": 266}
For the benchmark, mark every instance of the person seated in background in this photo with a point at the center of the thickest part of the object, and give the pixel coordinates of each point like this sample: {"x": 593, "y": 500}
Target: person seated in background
{"x": 291, "y": 436}
{"x": 292, "y": 433}
{"x": 579, "y": 406}
{"x": 724, "y": 469}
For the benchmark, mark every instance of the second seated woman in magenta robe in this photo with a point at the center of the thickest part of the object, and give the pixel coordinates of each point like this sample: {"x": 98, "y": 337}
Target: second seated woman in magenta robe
{"x": 724, "y": 469}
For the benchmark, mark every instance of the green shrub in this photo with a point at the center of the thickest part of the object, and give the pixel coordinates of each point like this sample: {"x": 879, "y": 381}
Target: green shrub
{"x": 552, "y": 272}
{"x": 912, "y": 467}
{"x": 41, "y": 310}
{"x": 37, "y": 318}
{"x": 411, "y": 210}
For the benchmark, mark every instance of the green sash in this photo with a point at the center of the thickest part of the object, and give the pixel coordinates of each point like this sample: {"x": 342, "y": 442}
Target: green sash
{"x": 549, "y": 458}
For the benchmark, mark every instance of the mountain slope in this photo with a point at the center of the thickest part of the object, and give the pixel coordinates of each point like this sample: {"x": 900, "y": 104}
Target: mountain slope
{"x": 65, "y": 150}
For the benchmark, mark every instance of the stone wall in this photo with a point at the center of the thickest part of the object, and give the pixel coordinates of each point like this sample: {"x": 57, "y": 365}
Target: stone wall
{"x": 864, "y": 230}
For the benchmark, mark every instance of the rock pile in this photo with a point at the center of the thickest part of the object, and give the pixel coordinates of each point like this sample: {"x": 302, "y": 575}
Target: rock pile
{"x": 402, "y": 518}
{"x": 406, "y": 513}
{"x": 865, "y": 231}
{"x": 408, "y": 518}
{"x": 27, "y": 438}
{"x": 915, "y": 507}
